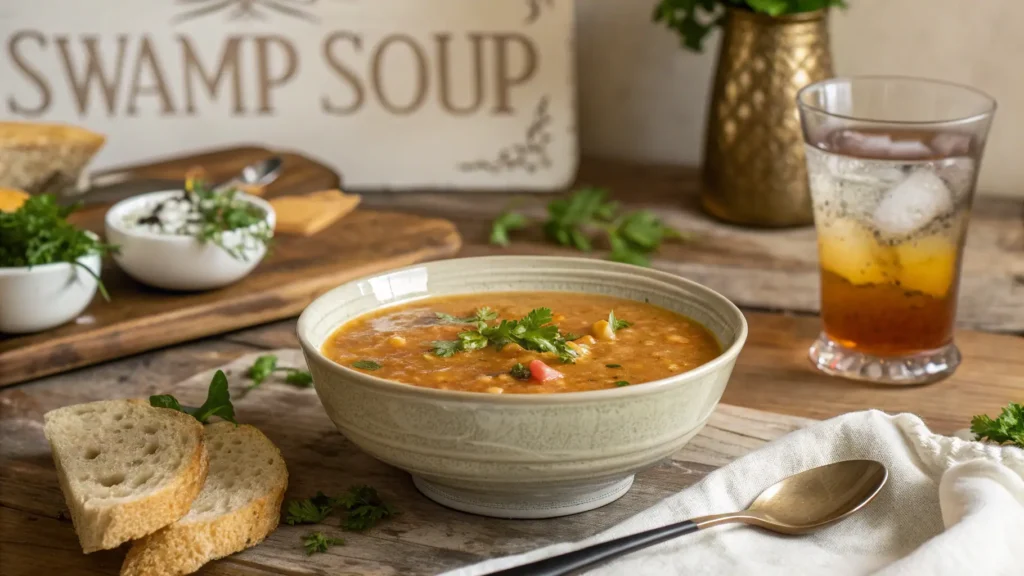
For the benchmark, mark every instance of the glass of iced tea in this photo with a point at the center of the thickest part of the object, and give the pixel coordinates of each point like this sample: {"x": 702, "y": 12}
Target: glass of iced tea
{"x": 892, "y": 163}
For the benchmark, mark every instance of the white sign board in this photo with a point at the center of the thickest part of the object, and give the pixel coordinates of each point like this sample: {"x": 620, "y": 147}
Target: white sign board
{"x": 391, "y": 93}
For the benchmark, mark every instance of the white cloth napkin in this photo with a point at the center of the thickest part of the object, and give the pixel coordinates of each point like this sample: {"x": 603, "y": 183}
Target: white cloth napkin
{"x": 950, "y": 507}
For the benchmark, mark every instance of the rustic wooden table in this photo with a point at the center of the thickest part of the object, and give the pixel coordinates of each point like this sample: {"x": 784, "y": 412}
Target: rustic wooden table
{"x": 770, "y": 273}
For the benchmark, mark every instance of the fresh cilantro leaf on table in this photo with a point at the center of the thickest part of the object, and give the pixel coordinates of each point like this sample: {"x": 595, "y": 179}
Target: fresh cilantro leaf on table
{"x": 267, "y": 365}
{"x": 318, "y": 542}
{"x": 616, "y": 324}
{"x": 532, "y": 332}
{"x": 483, "y": 314}
{"x": 309, "y": 510}
{"x": 505, "y": 223}
{"x": 575, "y": 220}
{"x": 218, "y": 402}
{"x": 365, "y": 508}
{"x": 38, "y": 233}
{"x": 1008, "y": 428}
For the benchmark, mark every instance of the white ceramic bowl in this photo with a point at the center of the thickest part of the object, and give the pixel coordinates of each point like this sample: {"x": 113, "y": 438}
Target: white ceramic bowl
{"x": 520, "y": 456}
{"x": 38, "y": 298}
{"x": 176, "y": 262}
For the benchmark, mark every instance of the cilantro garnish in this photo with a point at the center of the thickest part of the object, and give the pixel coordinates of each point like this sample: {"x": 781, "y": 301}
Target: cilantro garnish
{"x": 621, "y": 383}
{"x": 520, "y": 372}
{"x": 218, "y": 402}
{"x": 616, "y": 324}
{"x": 363, "y": 506}
{"x": 483, "y": 314}
{"x": 533, "y": 332}
{"x": 267, "y": 365}
{"x": 318, "y": 542}
{"x": 575, "y": 220}
{"x": 366, "y": 365}
{"x": 1008, "y": 428}
{"x": 38, "y": 233}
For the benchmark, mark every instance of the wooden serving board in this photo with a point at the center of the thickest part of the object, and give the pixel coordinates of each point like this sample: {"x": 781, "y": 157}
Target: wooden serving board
{"x": 36, "y": 536}
{"x": 140, "y": 318}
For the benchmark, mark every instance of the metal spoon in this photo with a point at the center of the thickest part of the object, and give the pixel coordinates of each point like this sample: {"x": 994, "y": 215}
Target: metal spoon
{"x": 261, "y": 173}
{"x": 801, "y": 503}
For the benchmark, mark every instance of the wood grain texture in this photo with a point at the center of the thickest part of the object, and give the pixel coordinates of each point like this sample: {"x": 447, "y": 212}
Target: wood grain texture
{"x": 36, "y": 537}
{"x": 141, "y": 318}
{"x": 766, "y": 269}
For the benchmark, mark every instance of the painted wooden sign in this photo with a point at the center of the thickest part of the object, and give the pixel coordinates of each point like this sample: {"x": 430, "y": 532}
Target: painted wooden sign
{"x": 396, "y": 94}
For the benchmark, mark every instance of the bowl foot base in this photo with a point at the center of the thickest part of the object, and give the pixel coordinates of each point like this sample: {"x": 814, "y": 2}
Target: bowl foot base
{"x": 546, "y": 503}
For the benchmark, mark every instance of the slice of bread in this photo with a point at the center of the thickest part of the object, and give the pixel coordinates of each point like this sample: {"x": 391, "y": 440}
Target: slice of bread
{"x": 238, "y": 507}
{"x": 126, "y": 469}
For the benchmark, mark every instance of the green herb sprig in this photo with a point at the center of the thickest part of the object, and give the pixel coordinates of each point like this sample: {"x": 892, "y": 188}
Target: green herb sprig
{"x": 694, "y": 19}
{"x": 38, "y": 233}
{"x": 520, "y": 372}
{"x": 318, "y": 543}
{"x": 266, "y": 365}
{"x": 532, "y": 332}
{"x": 1007, "y": 428}
{"x": 574, "y": 221}
{"x": 362, "y": 504}
{"x": 482, "y": 314}
{"x": 218, "y": 402}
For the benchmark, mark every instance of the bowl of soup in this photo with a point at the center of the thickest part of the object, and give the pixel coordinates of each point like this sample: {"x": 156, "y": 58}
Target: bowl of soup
{"x": 521, "y": 387}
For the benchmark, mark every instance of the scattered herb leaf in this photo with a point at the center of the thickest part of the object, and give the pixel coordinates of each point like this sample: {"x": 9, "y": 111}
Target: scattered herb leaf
{"x": 520, "y": 371}
{"x": 505, "y": 223}
{"x": 261, "y": 369}
{"x": 299, "y": 378}
{"x": 366, "y": 365}
{"x": 318, "y": 542}
{"x": 613, "y": 365}
{"x": 309, "y": 510}
{"x": 621, "y": 383}
{"x": 1007, "y": 428}
{"x": 365, "y": 508}
{"x": 616, "y": 324}
{"x": 38, "y": 233}
{"x": 218, "y": 402}
{"x": 483, "y": 314}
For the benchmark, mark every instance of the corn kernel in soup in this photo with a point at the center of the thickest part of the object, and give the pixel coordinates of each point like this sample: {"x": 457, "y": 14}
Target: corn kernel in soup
{"x": 523, "y": 343}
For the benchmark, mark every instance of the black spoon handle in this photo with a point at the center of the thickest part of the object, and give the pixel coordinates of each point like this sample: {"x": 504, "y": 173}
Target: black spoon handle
{"x": 570, "y": 561}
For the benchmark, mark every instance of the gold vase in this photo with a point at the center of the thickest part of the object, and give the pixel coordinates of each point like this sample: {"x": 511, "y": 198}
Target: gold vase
{"x": 754, "y": 172}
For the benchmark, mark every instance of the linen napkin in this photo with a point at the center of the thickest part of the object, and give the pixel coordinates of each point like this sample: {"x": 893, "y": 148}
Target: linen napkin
{"x": 950, "y": 507}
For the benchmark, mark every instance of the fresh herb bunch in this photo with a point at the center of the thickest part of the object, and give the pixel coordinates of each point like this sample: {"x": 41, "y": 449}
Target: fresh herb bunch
{"x": 218, "y": 402}
{"x": 363, "y": 505}
{"x": 38, "y": 233}
{"x": 1008, "y": 428}
{"x": 573, "y": 221}
{"x": 532, "y": 332}
{"x": 318, "y": 543}
{"x": 694, "y": 19}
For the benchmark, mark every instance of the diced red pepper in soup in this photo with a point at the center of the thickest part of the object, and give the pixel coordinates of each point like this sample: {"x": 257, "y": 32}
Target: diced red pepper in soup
{"x": 541, "y": 372}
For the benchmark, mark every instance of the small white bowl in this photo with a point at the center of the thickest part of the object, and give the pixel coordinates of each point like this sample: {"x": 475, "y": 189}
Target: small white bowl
{"x": 41, "y": 297}
{"x": 177, "y": 262}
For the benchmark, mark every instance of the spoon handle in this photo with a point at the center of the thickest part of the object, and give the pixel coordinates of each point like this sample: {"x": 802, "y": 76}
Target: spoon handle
{"x": 570, "y": 561}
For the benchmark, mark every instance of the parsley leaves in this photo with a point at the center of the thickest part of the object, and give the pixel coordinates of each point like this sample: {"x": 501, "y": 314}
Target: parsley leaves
{"x": 366, "y": 365}
{"x": 616, "y": 324}
{"x": 318, "y": 542}
{"x": 520, "y": 372}
{"x": 218, "y": 402}
{"x": 621, "y": 383}
{"x": 483, "y": 314}
{"x": 1008, "y": 428}
{"x": 573, "y": 222}
{"x": 38, "y": 233}
{"x": 363, "y": 505}
{"x": 533, "y": 332}
{"x": 267, "y": 364}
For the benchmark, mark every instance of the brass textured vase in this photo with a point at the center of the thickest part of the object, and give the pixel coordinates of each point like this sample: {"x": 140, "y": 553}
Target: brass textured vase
{"x": 754, "y": 171}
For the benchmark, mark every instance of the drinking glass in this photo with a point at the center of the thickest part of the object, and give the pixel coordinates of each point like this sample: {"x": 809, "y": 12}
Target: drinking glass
{"x": 892, "y": 164}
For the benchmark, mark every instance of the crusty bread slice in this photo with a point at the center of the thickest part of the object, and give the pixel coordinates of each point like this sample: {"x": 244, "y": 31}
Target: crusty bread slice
{"x": 238, "y": 507}
{"x": 126, "y": 469}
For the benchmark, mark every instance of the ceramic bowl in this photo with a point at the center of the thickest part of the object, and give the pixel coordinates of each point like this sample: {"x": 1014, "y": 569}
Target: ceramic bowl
{"x": 177, "y": 262}
{"x": 38, "y": 298}
{"x": 520, "y": 456}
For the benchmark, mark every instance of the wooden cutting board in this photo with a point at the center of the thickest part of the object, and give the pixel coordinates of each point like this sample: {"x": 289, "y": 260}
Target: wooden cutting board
{"x": 36, "y": 536}
{"x": 140, "y": 318}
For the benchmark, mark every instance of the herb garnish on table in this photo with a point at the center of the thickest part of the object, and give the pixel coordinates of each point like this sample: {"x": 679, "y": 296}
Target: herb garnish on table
{"x": 1007, "y": 428}
{"x": 218, "y": 402}
{"x": 362, "y": 504}
{"x": 38, "y": 233}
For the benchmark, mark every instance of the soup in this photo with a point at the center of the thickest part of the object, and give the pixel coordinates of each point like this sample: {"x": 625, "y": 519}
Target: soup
{"x": 523, "y": 343}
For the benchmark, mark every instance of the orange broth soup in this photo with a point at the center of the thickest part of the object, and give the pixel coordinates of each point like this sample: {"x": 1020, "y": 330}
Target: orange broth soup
{"x": 504, "y": 342}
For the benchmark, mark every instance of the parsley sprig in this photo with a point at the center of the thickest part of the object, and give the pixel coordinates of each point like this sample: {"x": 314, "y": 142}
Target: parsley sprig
{"x": 218, "y": 402}
{"x": 363, "y": 506}
{"x": 1007, "y": 428}
{"x": 482, "y": 314}
{"x": 266, "y": 365}
{"x": 318, "y": 543}
{"x": 575, "y": 221}
{"x": 38, "y": 233}
{"x": 617, "y": 324}
{"x": 532, "y": 332}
